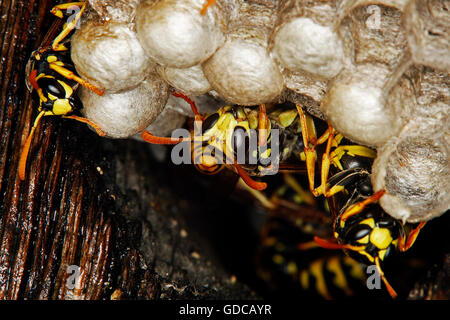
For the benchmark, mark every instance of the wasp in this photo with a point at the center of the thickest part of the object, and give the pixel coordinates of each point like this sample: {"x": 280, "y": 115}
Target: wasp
{"x": 288, "y": 260}
{"x": 282, "y": 265}
{"x": 242, "y": 139}
{"x": 361, "y": 227}
{"x": 52, "y": 75}
{"x": 365, "y": 232}
{"x": 297, "y": 225}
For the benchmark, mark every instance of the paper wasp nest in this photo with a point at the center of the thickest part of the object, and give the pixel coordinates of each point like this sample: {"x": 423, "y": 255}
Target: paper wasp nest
{"x": 373, "y": 69}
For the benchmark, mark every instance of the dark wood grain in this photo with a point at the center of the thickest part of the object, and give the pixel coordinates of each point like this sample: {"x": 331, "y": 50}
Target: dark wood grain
{"x": 85, "y": 201}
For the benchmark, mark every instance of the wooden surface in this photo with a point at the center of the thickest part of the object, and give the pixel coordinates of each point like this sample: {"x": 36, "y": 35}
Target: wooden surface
{"x": 86, "y": 201}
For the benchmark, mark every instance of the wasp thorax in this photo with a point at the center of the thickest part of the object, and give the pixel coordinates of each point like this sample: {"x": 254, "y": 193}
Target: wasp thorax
{"x": 110, "y": 55}
{"x": 124, "y": 114}
{"x": 175, "y": 34}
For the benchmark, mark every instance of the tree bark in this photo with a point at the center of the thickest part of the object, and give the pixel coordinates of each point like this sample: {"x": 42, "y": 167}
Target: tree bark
{"x": 103, "y": 206}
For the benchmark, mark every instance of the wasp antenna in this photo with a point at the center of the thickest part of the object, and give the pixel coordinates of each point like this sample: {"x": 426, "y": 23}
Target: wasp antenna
{"x": 406, "y": 242}
{"x": 190, "y": 101}
{"x": 148, "y": 137}
{"x": 94, "y": 88}
{"x": 327, "y": 244}
{"x": 206, "y": 5}
{"x": 358, "y": 207}
{"x": 99, "y": 131}
{"x": 308, "y": 245}
{"x": 389, "y": 288}
{"x": 249, "y": 181}
{"x": 26, "y": 148}
{"x": 32, "y": 79}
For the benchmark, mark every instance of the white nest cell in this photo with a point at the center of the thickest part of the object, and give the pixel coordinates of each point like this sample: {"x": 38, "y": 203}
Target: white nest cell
{"x": 415, "y": 172}
{"x": 303, "y": 45}
{"x": 190, "y": 81}
{"x": 124, "y": 114}
{"x": 175, "y": 34}
{"x": 242, "y": 72}
{"x": 110, "y": 55}
{"x": 355, "y": 105}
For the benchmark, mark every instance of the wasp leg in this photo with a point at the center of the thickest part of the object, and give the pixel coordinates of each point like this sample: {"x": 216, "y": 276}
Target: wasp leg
{"x": 262, "y": 125}
{"x": 148, "y": 137}
{"x": 310, "y": 143}
{"x": 325, "y": 164}
{"x": 206, "y": 5}
{"x": 72, "y": 76}
{"x": 305, "y": 196}
{"x": 406, "y": 242}
{"x": 99, "y": 131}
{"x": 352, "y": 150}
{"x": 389, "y": 288}
{"x": 26, "y": 147}
{"x": 57, "y": 11}
{"x": 248, "y": 180}
{"x": 261, "y": 197}
{"x": 198, "y": 116}
{"x": 358, "y": 207}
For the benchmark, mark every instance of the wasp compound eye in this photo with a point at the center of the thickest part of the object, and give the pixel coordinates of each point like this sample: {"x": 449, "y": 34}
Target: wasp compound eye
{"x": 358, "y": 232}
{"x": 51, "y": 86}
{"x": 209, "y": 122}
{"x": 240, "y": 140}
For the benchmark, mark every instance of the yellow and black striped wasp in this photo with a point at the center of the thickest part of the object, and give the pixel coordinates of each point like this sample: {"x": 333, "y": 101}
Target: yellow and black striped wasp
{"x": 360, "y": 225}
{"x": 268, "y": 137}
{"x": 293, "y": 265}
{"x": 287, "y": 259}
{"x": 52, "y": 75}
{"x": 283, "y": 262}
